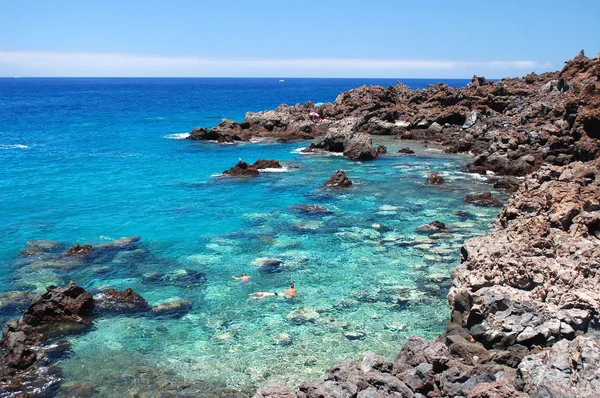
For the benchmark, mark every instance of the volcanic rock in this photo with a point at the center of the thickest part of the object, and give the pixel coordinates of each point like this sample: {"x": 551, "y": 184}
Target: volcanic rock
{"x": 267, "y": 164}
{"x": 339, "y": 179}
{"x": 242, "y": 169}
{"x": 435, "y": 179}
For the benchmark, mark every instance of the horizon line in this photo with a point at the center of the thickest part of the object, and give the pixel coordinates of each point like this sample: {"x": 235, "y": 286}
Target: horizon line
{"x": 106, "y": 64}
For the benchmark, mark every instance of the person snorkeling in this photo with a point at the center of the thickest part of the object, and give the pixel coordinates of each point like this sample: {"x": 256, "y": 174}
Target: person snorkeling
{"x": 287, "y": 293}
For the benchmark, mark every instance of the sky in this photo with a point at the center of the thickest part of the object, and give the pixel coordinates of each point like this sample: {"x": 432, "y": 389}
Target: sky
{"x": 299, "y": 38}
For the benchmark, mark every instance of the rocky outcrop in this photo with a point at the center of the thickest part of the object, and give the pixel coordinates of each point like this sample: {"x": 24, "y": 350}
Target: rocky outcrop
{"x": 435, "y": 179}
{"x": 533, "y": 280}
{"x": 31, "y": 344}
{"x": 50, "y": 313}
{"x": 243, "y": 169}
{"x": 338, "y": 179}
{"x": 343, "y": 137}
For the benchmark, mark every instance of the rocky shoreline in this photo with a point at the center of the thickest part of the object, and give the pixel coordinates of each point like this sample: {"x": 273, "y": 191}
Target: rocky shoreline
{"x": 524, "y": 302}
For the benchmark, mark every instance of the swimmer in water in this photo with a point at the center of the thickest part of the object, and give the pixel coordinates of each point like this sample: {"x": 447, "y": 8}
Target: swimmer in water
{"x": 243, "y": 278}
{"x": 291, "y": 292}
{"x": 262, "y": 295}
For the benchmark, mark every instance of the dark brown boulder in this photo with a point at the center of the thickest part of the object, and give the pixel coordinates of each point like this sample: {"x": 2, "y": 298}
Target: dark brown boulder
{"x": 68, "y": 304}
{"x": 126, "y": 300}
{"x": 339, "y": 179}
{"x": 79, "y": 250}
{"x": 435, "y": 179}
{"x": 242, "y": 169}
{"x": 406, "y": 151}
{"x": 482, "y": 199}
{"x": 381, "y": 149}
{"x": 432, "y": 227}
{"x": 70, "y": 307}
{"x": 267, "y": 164}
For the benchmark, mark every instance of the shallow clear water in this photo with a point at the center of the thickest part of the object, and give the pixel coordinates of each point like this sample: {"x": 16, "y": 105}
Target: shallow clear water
{"x": 93, "y": 160}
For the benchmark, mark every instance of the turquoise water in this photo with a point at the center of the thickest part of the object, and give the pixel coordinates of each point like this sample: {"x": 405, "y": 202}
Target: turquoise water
{"x": 94, "y": 160}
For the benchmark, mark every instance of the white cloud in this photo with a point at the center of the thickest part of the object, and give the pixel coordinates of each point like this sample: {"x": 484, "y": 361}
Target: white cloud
{"x": 40, "y": 63}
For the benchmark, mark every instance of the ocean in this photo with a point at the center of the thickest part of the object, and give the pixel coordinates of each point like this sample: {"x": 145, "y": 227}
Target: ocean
{"x": 91, "y": 160}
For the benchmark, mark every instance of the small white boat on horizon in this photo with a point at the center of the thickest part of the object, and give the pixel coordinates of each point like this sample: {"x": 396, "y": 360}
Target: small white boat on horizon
{"x": 281, "y": 80}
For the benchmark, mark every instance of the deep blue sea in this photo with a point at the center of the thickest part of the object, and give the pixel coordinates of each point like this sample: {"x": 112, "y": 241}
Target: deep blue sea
{"x": 92, "y": 160}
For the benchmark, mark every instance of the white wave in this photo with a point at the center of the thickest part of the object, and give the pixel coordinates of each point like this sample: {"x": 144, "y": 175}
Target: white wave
{"x": 318, "y": 152}
{"x": 156, "y": 118}
{"x": 218, "y": 175}
{"x": 275, "y": 170}
{"x": 434, "y": 150}
{"x": 13, "y": 146}
{"x": 477, "y": 176}
{"x": 178, "y": 136}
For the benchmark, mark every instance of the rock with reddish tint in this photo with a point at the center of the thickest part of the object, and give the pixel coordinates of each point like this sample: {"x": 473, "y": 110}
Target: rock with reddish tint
{"x": 482, "y": 199}
{"x": 267, "y": 164}
{"x": 275, "y": 390}
{"x": 339, "y": 179}
{"x": 435, "y": 179}
{"x": 69, "y": 304}
{"x": 242, "y": 169}
{"x": 381, "y": 149}
{"x": 69, "y": 307}
{"x": 79, "y": 250}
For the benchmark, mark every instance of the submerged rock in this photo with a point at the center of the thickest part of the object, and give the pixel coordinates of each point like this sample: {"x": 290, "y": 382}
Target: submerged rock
{"x": 172, "y": 307}
{"x": 312, "y": 210}
{"x": 339, "y": 179}
{"x": 483, "y": 199}
{"x": 432, "y": 227}
{"x": 116, "y": 301}
{"x": 303, "y": 315}
{"x": 79, "y": 250}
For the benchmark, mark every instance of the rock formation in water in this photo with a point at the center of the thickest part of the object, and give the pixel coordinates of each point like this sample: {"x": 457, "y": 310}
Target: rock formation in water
{"x": 338, "y": 179}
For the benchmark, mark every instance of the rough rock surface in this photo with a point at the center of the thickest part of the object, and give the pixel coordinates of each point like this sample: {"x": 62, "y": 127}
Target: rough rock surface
{"x": 242, "y": 169}
{"x": 57, "y": 311}
{"x": 338, "y": 179}
{"x": 534, "y": 279}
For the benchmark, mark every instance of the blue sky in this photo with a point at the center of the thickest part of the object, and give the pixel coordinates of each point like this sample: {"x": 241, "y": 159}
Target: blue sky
{"x": 326, "y": 38}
